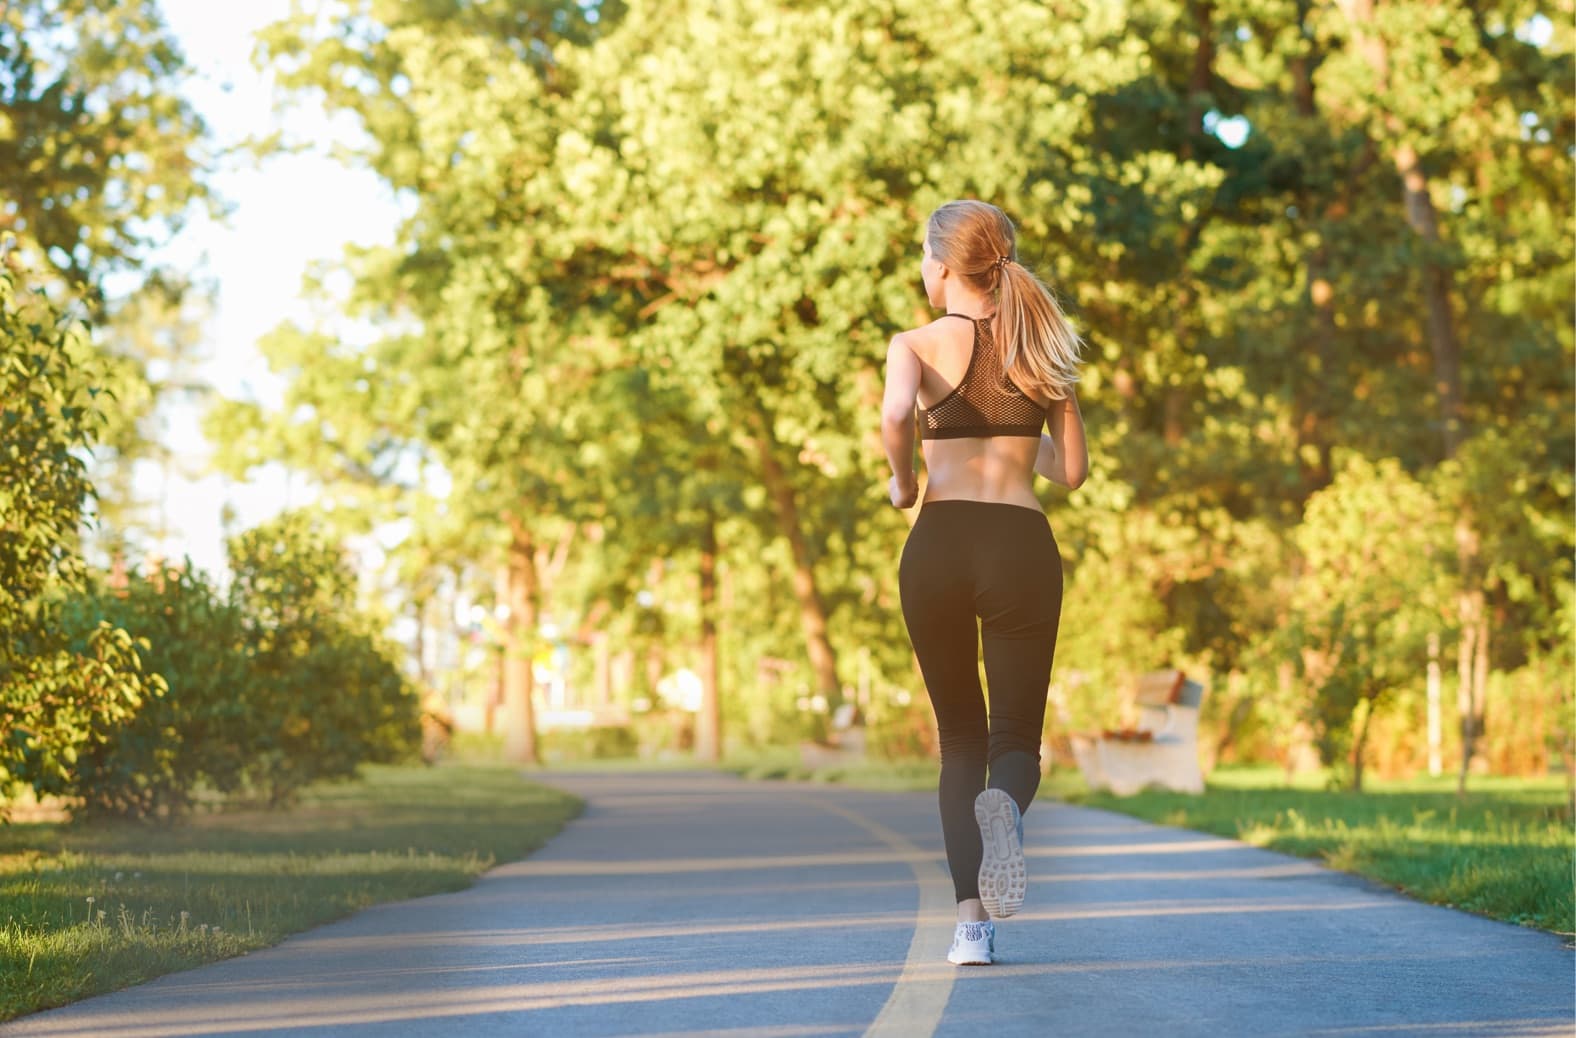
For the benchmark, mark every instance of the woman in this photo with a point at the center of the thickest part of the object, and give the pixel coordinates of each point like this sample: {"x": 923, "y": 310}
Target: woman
{"x": 987, "y": 378}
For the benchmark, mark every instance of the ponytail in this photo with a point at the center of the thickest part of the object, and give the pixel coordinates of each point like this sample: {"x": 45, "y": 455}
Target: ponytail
{"x": 1037, "y": 342}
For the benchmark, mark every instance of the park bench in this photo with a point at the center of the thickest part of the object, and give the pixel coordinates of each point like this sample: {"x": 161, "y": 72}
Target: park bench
{"x": 1161, "y": 749}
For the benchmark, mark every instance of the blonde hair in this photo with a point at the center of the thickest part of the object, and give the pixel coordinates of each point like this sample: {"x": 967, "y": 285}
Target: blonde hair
{"x": 1038, "y": 345}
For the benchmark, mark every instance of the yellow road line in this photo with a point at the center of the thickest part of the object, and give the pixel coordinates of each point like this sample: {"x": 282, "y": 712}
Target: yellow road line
{"x": 919, "y": 997}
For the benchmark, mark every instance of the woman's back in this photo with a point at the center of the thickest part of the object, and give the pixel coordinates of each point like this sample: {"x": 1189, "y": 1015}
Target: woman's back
{"x": 993, "y": 468}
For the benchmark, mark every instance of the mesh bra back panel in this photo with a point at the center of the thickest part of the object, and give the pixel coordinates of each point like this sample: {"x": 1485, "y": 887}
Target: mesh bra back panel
{"x": 984, "y": 402}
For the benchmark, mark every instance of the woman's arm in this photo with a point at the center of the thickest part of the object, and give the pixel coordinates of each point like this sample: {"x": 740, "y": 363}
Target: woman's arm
{"x": 1064, "y": 457}
{"x": 897, "y": 420}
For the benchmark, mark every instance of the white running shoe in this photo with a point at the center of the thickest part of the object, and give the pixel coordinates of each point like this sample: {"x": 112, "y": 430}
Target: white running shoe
{"x": 972, "y": 944}
{"x": 1003, "y": 877}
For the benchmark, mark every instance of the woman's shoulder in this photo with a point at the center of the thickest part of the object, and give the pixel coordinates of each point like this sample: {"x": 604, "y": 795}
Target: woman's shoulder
{"x": 926, "y": 337}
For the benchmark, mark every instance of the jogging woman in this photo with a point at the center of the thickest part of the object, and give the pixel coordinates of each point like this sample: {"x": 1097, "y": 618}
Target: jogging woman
{"x": 989, "y": 378}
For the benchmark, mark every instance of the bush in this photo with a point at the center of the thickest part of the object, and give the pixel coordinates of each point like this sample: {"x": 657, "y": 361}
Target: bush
{"x": 325, "y": 682}
{"x": 274, "y": 687}
{"x": 200, "y": 729}
{"x": 663, "y": 733}
{"x": 602, "y": 742}
{"x": 1527, "y": 719}
{"x": 894, "y": 732}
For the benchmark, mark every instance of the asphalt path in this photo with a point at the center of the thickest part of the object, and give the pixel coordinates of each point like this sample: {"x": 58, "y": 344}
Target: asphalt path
{"x": 700, "y": 904}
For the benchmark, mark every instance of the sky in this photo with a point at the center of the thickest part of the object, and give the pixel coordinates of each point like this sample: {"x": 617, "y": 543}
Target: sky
{"x": 291, "y": 212}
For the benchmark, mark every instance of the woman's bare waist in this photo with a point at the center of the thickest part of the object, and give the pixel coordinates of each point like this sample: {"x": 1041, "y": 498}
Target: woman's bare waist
{"x": 981, "y": 470}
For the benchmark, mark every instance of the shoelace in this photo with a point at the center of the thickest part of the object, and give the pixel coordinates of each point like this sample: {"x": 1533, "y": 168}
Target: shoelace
{"x": 974, "y": 931}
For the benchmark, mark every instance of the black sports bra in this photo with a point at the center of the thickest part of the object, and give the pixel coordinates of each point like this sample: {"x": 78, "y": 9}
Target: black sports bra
{"x": 985, "y": 402}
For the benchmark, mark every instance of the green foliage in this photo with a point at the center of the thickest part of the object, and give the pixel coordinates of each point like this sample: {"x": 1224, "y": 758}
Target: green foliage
{"x": 635, "y": 284}
{"x": 1512, "y": 495}
{"x": 202, "y": 730}
{"x": 324, "y": 688}
{"x": 102, "y": 159}
{"x": 1376, "y": 552}
{"x": 1121, "y": 561}
{"x": 54, "y": 696}
{"x": 130, "y": 698}
{"x": 274, "y": 685}
{"x": 99, "y": 150}
{"x": 601, "y": 742}
{"x": 663, "y": 734}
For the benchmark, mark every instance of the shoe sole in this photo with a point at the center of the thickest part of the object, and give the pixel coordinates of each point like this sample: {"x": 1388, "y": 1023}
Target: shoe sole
{"x": 1003, "y": 879}
{"x": 970, "y": 962}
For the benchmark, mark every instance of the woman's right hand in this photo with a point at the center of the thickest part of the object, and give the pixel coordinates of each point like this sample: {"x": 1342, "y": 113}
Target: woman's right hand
{"x": 903, "y": 496}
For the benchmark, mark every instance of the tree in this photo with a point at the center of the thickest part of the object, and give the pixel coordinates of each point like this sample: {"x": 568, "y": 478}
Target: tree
{"x": 770, "y": 203}
{"x": 99, "y": 152}
{"x": 640, "y": 291}
{"x": 1375, "y": 554}
{"x": 54, "y": 700}
{"x": 1462, "y": 108}
{"x": 494, "y": 351}
{"x": 101, "y": 160}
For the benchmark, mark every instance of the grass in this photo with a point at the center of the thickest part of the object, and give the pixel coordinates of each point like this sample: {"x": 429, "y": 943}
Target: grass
{"x": 871, "y": 773}
{"x": 1506, "y": 850}
{"x": 489, "y": 748}
{"x": 92, "y": 907}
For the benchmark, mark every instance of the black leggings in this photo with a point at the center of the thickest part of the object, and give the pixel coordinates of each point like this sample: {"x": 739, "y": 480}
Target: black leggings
{"x": 997, "y": 564}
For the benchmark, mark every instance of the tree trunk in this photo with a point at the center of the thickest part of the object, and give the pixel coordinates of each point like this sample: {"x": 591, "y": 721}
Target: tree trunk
{"x": 1472, "y": 653}
{"x": 1446, "y": 349}
{"x": 1175, "y": 397}
{"x": 1310, "y": 419}
{"x": 495, "y": 698}
{"x": 419, "y": 642}
{"x": 1436, "y": 765}
{"x": 1466, "y": 705}
{"x": 1360, "y": 743}
{"x": 812, "y": 612}
{"x": 708, "y": 724}
{"x": 495, "y": 693}
{"x": 1173, "y": 427}
{"x": 1241, "y": 710}
{"x": 1437, "y": 282}
{"x": 1284, "y": 671}
{"x": 604, "y": 670}
{"x": 623, "y": 675}
{"x": 1480, "y": 675}
{"x": 656, "y": 662}
{"x": 1424, "y": 221}
{"x": 1203, "y": 12}
{"x": 519, "y": 679}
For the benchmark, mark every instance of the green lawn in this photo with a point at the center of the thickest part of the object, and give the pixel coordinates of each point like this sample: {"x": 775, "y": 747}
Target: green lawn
{"x": 1506, "y": 850}
{"x": 93, "y": 907}
{"x": 873, "y": 773}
